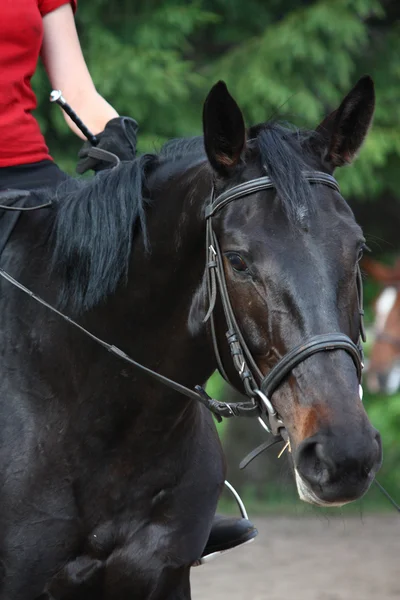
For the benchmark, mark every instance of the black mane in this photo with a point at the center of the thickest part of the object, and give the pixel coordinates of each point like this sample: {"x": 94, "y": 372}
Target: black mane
{"x": 94, "y": 224}
{"x": 95, "y": 220}
{"x": 281, "y": 152}
{"x": 179, "y": 147}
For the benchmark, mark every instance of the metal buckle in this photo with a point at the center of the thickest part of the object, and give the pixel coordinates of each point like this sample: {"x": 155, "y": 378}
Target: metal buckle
{"x": 275, "y": 424}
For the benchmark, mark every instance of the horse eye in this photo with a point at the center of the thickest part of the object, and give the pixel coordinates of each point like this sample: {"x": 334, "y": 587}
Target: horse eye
{"x": 361, "y": 251}
{"x": 237, "y": 262}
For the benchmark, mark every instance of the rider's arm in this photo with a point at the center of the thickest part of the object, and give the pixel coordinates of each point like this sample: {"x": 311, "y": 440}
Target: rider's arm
{"x": 66, "y": 68}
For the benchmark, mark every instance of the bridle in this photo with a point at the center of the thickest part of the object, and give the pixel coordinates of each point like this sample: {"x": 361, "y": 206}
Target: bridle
{"x": 257, "y": 387}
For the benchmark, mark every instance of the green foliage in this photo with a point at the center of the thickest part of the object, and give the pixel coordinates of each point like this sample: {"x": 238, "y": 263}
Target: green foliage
{"x": 384, "y": 413}
{"x": 289, "y": 59}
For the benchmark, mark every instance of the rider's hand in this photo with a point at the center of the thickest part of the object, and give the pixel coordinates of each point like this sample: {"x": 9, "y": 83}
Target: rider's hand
{"x": 118, "y": 137}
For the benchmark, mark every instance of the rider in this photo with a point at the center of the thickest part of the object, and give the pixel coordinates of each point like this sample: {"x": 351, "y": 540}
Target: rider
{"x": 29, "y": 28}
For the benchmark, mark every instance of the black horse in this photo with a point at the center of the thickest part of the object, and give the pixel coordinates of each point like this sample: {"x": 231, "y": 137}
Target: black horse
{"x": 108, "y": 479}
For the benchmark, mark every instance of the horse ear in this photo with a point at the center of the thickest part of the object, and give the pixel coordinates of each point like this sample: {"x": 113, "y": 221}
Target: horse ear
{"x": 224, "y": 130}
{"x": 345, "y": 129}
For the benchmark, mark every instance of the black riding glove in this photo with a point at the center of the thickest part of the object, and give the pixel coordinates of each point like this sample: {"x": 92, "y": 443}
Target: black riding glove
{"x": 118, "y": 137}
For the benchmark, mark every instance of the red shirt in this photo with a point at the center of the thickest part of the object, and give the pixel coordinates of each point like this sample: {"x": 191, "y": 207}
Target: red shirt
{"x": 21, "y": 36}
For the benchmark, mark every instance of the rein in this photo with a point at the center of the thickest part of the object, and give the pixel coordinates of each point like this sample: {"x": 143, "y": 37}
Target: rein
{"x": 26, "y": 208}
{"x": 244, "y": 363}
{"x": 20, "y": 195}
{"x": 221, "y": 409}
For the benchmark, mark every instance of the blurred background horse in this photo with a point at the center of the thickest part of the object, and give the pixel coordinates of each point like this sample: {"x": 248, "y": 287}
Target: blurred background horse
{"x": 383, "y": 373}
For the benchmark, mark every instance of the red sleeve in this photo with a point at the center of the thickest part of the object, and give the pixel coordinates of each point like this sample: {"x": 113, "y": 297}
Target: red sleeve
{"x": 47, "y": 6}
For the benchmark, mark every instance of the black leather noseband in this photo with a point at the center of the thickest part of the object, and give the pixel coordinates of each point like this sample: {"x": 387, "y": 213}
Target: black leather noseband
{"x": 243, "y": 360}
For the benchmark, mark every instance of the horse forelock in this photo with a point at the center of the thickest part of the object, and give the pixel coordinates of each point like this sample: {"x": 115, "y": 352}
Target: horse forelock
{"x": 285, "y": 153}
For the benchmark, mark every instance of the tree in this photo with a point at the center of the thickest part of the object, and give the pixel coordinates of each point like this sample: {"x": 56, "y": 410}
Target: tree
{"x": 289, "y": 59}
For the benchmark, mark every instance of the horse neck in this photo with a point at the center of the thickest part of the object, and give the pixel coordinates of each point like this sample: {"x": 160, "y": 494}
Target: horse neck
{"x": 150, "y": 314}
{"x": 146, "y": 317}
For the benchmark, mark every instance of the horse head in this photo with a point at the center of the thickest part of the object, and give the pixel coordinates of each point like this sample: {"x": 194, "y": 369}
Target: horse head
{"x": 383, "y": 373}
{"x": 289, "y": 251}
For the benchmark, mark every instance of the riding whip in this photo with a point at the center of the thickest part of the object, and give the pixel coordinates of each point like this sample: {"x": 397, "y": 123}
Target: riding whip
{"x": 57, "y": 97}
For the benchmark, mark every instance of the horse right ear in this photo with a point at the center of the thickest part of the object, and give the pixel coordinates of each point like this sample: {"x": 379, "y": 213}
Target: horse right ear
{"x": 224, "y": 130}
{"x": 344, "y": 130}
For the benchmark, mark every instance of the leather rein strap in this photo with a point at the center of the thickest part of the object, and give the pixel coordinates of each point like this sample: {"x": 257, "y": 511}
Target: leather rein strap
{"x": 260, "y": 404}
{"x": 225, "y": 411}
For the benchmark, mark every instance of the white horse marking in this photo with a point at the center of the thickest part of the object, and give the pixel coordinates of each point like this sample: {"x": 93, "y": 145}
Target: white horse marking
{"x": 384, "y": 305}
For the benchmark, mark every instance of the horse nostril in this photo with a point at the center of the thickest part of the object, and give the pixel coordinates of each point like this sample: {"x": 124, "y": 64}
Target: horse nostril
{"x": 323, "y": 460}
{"x": 319, "y": 451}
{"x": 312, "y": 462}
{"x": 323, "y": 457}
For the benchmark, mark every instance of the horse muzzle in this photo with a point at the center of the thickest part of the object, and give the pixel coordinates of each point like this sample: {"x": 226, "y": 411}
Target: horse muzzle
{"x": 333, "y": 468}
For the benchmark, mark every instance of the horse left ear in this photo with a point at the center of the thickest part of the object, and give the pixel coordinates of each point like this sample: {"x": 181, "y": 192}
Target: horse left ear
{"x": 224, "y": 130}
{"x": 345, "y": 129}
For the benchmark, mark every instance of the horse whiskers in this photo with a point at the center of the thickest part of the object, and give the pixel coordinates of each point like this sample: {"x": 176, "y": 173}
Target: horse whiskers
{"x": 287, "y": 445}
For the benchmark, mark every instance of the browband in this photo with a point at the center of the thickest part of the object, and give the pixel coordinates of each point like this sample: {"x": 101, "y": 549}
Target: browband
{"x": 264, "y": 183}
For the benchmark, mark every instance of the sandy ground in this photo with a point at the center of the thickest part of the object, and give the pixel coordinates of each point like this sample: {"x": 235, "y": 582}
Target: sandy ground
{"x": 309, "y": 558}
